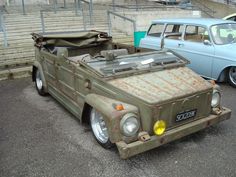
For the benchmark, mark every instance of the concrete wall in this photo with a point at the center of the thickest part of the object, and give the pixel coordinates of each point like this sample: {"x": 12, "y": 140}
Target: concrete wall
{"x": 18, "y": 2}
{"x": 221, "y": 10}
{"x": 143, "y": 19}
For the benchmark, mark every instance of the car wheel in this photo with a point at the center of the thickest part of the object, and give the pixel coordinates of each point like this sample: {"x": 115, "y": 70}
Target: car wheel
{"x": 39, "y": 83}
{"x": 232, "y": 76}
{"x": 99, "y": 129}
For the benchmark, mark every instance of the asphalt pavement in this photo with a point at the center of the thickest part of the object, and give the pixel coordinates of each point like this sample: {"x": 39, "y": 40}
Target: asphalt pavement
{"x": 38, "y": 137}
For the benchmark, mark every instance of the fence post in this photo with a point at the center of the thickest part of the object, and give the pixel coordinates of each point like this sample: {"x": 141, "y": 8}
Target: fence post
{"x": 1, "y": 21}
{"x": 64, "y": 3}
{"x": 55, "y": 6}
{"x": 79, "y": 5}
{"x": 84, "y": 22}
{"x": 2, "y": 28}
{"x": 109, "y": 23}
{"x": 134, "y": 25}
{"x": 113, "y": 5}
{"x": 23, "y": 7}
{"x": 91, "y": 11}
{"x": 42, "y": 21}
{"x": 136, "y": 3}
{"x": 76, "y": 7}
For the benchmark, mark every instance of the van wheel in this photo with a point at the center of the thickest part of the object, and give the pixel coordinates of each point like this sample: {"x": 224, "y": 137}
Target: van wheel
{"x": 39, "y": 83}
{"x": 99, "y": 129}
{"x": 232, "y": 76}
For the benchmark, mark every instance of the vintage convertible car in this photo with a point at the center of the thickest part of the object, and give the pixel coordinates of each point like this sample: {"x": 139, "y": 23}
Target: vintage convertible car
{"x": 135, "y": 99}
{"x": 209, "y": 44}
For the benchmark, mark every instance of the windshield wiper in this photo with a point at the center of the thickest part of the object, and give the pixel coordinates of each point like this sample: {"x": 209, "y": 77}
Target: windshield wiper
{"x": 164, "y": 61}
{"x": 119, "y": 68}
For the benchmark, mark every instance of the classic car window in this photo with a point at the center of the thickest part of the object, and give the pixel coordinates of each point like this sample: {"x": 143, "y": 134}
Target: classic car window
{"x": 173, "y": 31}
{"x": 224, "y": 33}
{"x": 196, "y": 34}
{"x": 156, "y": 30}
{"x": 136, "y": 62}
{"x": 231, "y": 18}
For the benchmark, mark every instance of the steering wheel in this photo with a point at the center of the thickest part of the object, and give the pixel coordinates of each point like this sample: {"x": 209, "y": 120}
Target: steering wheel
{"x": 230, "y": 38}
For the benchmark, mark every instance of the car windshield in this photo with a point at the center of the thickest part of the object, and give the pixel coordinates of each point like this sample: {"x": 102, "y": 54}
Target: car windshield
{"x": 224, "y": 33}
{"x": 133, "y": 62}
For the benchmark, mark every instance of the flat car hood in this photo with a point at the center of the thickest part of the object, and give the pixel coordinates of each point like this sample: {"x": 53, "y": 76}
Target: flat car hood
{"x": 161, "y": 86}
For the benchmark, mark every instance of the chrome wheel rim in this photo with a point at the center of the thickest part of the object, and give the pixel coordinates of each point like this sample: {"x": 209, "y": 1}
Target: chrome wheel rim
{"x": 232, "y": 75}
{"x": 98, "y": 126}
{"x": 39, "y": 82}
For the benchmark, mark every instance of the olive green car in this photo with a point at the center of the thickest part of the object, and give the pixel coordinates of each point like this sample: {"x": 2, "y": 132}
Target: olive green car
{"x": 132, "y": 98}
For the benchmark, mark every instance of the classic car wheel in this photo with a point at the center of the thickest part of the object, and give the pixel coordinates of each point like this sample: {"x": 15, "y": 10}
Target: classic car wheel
{"x": 99, "y": 129}
{"x": 39, "y": 83}
{"x": 232, "y": 76}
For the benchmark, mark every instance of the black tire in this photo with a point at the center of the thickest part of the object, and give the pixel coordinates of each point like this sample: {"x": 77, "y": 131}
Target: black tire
{"x": 106, "y": 143}
{"x": 39, "y": 83}
{"x": 232, "y": 76}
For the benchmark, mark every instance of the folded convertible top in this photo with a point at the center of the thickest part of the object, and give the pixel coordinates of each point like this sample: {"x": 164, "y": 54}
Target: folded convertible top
{"x": 70, "y": 39}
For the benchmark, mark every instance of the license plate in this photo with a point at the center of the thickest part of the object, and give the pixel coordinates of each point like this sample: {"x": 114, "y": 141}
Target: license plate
{"x": 186, "y": 115}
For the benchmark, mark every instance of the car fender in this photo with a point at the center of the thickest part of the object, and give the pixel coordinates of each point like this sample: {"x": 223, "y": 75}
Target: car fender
{"x": 222, "y": 74}
{"x": 107, "y": 107}
{"x": 37, "y": 65}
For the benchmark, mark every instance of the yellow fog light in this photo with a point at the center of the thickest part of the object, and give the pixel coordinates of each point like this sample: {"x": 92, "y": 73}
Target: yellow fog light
{"x": 159, "y": 127}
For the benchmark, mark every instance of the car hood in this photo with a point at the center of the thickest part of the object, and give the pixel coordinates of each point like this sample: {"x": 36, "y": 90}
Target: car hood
{"x": 161, "y": 86}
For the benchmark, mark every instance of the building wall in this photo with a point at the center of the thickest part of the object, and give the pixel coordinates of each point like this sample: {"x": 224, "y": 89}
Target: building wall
{"x": 143, "y": 19}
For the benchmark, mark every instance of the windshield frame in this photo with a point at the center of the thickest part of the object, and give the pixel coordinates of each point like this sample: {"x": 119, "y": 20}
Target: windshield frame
{"x": 181, "y": 62}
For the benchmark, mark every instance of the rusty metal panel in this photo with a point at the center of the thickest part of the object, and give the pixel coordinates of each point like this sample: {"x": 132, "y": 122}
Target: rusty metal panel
{"x": 163, "y": 85}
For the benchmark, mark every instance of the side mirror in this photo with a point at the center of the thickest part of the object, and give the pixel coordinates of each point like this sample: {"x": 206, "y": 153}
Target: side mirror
{"x": 206, "y": 42}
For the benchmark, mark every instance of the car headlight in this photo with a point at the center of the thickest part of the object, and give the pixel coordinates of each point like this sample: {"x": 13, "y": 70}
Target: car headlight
{"x": 215, "y": 99}
{"x": 129, "y": 124}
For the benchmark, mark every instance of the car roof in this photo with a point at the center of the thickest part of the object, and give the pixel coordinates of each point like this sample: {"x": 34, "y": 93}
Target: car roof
{"x": 197, "y": 21}
{"x": 229, "y": 16}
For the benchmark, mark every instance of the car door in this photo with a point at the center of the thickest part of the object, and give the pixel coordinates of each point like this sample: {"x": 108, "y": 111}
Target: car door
{"x": 153, "y": 38}
{"x": 65, "y": 74}
{"x": 198, "y": 48}
{"x": 49, "y": 68}
{"x": 173, "y": 35}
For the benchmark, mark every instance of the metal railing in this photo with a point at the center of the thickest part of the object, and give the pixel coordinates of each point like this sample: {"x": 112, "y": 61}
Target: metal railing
{"x": 90, "y": 4}
{"x": 145, "y": 7}
{"x": 204, "y": 8}
{"x": 55, "y": 5}
{"x": 109, "y": 13}
{"x": 42, "y": 17}
{"x": 3, "y": 29}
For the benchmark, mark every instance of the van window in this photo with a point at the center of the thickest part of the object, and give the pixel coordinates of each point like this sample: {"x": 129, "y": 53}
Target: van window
{"x": 156, "y": 30}
{"x": 196, "y": 34}
{"x": 174, "y": 31}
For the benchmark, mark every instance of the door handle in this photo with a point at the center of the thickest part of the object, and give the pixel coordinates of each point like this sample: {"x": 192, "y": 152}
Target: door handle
{"x": 180, "y": 45}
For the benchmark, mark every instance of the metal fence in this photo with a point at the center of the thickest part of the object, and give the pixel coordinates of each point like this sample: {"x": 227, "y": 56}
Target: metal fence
{"x": 3, "y": 29}
{"x": 42, "y": 17}
{"x": 79, "y": 9}
{"x": 55, "y": 6}
{"x": 110, "y": 13}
